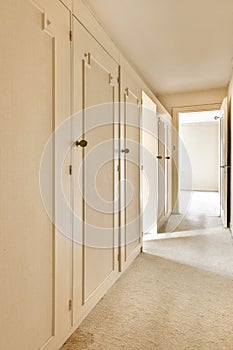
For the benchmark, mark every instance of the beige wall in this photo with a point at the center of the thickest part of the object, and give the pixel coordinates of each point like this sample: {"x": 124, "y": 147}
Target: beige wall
{"x": 193, "y": 98}
{"x": 204, "y": 156}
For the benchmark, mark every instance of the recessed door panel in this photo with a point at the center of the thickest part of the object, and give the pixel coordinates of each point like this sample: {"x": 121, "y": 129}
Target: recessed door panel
{"x": 98, "y": 262}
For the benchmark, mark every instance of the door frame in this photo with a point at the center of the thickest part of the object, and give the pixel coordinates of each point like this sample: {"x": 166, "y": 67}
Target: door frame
{"x": 225, "y": 152}
{"x": 142, "y": 162}
{"x": 175, "y": 145}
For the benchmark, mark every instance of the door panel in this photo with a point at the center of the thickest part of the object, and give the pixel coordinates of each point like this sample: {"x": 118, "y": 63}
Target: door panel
{"x": 101, "y": 258}
{"x": 95, "y": 247}
{"x": 34, "y": 257}
{"x": 130, "y": 170}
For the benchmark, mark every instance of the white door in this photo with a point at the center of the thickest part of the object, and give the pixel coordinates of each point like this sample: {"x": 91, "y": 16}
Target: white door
{"x": 149, "y": 165}
{"x": 35, "y": 258}
{"x": 131, "y": 231}
{"x": 161, "y": 170}
{"x": 95, "y": 225}
{"x": 224, "y": 163}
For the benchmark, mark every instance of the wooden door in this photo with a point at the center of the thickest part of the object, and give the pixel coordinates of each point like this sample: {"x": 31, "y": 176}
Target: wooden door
{"x": 161, "y": 170}
{"x": 35, "y": 263}
{"x": 95, "y": 80}
{"x": 224, "y": 164}
{"x": 131, "y": 230}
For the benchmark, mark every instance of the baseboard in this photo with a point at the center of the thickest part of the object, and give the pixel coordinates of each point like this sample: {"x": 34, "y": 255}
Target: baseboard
{"x": 132, "y": 257}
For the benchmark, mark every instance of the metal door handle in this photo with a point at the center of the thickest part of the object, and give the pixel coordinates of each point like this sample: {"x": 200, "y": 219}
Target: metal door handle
{"x": 167, "y": 157}
{"x": 126, "y": 150}
{"x": 225, "y": 166}
{"x": 159, "y": 157}
{"x": 82, "y": 143}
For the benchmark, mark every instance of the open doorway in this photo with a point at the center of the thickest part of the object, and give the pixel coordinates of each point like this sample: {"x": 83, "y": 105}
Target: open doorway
{"x": 201, "y": 178}
{"x": 199, "y": 141}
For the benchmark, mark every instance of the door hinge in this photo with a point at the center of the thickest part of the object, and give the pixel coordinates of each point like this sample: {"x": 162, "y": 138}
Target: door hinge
{"x": 70, "y": 169}
{"x": 71, "y": 35}
{"x": 141, "y": 167}
{"x": 118, "y": 80}
{"x": 118, "y": 168}
{"x": 70, "y": 305}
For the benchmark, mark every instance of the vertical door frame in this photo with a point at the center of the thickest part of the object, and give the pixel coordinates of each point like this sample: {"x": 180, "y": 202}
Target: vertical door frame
{"x": 140, "y": 174}
{"x": 142, "y": 164}
{"x": 225, "y": 129}
{"x": 162, "y": 147}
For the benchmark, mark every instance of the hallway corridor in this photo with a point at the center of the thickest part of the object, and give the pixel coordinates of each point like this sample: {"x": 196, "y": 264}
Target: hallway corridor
{"x": 176, "y": 295}
{"x": 113, "y": 113}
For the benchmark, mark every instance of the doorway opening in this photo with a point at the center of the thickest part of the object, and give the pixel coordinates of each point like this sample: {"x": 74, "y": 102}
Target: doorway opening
{"x": 199, "y": 181}
{"x": 199, "y": 139}
{"x": 199, "y": 192}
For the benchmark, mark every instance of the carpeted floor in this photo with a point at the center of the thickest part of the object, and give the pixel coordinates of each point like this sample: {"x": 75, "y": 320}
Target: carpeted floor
{"x": 178, "y": 295}
{"x": 178, "y": 223}
{"x": 203, "y": 212}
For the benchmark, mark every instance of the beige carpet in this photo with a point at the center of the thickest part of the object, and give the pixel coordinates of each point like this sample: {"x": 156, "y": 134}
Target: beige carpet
{"x": 178, "y": 223}
{"x": 202, "y": 213}
{"x": 177, "y": 296}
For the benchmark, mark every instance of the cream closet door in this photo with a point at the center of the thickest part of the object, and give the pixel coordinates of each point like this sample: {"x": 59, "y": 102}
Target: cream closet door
{"x": 94, "y": 170}
{"x": 161, "y": 170}
{"x": 131, "y": 231}
{"x": 35, "y": 265}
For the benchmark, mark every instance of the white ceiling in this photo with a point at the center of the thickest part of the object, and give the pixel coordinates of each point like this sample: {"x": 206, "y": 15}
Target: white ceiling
{"x": 176, "y": 45}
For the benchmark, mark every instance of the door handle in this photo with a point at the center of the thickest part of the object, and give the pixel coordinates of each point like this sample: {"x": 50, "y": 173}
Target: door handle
{"x": 159, "y": 157}
{"x": 82, "y": 143}
{"x": 225, "y": 166}
{"x": 167, "y": 157}
{"x": 126, "y": 150}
